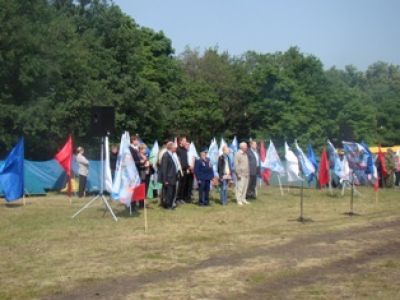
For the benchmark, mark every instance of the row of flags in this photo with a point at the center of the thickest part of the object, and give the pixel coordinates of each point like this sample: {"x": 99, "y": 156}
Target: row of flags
{"x": 126, "y": 184}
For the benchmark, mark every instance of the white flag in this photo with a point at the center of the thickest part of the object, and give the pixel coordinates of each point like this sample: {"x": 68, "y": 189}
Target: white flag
{"x": 126, "y": 175}
{"x": 107, "y": 167}
{"x": 221, "y": 146}
{"x": 292, "y": 165}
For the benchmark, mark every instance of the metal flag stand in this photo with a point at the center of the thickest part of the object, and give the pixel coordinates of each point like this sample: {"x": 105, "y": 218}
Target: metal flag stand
{"x": 100, "y": 195}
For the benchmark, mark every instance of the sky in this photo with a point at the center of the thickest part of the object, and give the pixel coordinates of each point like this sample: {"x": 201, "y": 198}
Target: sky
{"x": 339, "y": 32}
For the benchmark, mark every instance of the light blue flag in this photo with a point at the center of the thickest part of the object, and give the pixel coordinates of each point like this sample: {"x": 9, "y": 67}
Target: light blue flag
{"x": 12, "y": 173}
{"x": 213, "y": 156}
{"x": 126, "y": 174}
{"x": 234, "y": 146}
{"x": 311, "y": 156}
{"x": 306, "y": 165}
{"x": 272, "y": 160}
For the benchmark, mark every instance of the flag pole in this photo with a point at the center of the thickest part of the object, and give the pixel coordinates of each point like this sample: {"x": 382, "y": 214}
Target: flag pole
{"x": 145, "y": 215}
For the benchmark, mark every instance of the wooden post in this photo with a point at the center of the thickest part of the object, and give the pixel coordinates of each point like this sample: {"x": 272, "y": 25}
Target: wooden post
{"x": 145, "y": 215}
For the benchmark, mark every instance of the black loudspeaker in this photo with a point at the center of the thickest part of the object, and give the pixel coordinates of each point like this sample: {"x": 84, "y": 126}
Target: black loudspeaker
{"x": 103, "y": 118}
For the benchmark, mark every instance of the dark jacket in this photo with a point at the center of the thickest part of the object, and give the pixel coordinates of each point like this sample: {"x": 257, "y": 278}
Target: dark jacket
{"x": 183, "y": 157}
{"x": 221, "y": 166}
{"x": 203, "y": 170}
{"x": 136, "y": 157}
{"x": 167, "y": 172}
{"x": 254, "y": 168}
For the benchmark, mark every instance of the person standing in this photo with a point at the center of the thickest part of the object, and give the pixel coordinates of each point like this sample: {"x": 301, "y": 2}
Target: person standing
{"x": 83, "y": 170}
{"x": 168, "y": 176}
{"x": 224, "y": 173}
{"x": 242, "y": 174}
{"x": 134, "y": 148}
{"x": 113, "y": 159}
{"x": 182, "y": 153}
{"x": 204, "y": 173}
{"x": 397, "y": 169}
{"x": 254, "y": 170}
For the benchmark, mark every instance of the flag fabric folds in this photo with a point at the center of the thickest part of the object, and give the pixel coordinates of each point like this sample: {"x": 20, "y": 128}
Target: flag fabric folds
{"x": 292, "y": 165}
{"x": 306, "y": 165}
{"x": 139, "y": 192}
{"x": 126, "y": 173}
{"x": 213, "y": 156}
{"x": 265, "y": 173}
{"x": 272, "y": 160}
{"x": 323, "y": 173}
{"x": 107, "y": 167}
{"x": 64, "y": 158}
{"x": 12, "y": 173}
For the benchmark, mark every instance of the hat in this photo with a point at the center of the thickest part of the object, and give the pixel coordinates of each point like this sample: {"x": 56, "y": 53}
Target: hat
{"x": 204, "y": 149}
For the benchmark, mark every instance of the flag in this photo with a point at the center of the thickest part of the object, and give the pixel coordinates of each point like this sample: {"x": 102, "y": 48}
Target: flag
{"x": 272, "y": 160}
{"x": 292, "y": 165}
{"x": 334, "y": 160}
{"x": 381, "y": 161}
{"x": 370, "y": 159}
{"x": 356, "y": 155}
{"x": 323, "y": 173}
{"x": 126, "y": 174}
{"x": 64, "y": 158}
{"x": 192, "y": 154}
{"x": 213, "y": 156}
{"x": 153, "y": 156}
{"x": 221, "y": 146}
{"x": 311, "y": 156}
{"x": 234, "y": 149}
{"x": 306, "y": 165}
{"x": 12, "y": 173}
{"x": 265, "y": 173}
{"x": 107, "y": 167}
{"x": 139, "y": 192}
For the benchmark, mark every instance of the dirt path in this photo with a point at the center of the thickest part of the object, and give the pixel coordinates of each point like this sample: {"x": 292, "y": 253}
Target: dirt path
{"x": 299, "y": 249}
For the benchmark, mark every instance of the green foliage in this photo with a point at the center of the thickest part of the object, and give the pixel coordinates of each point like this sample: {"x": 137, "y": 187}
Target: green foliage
{"x": 59, "y": 58}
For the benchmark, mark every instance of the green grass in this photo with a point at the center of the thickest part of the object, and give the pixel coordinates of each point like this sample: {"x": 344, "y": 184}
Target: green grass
{"x": 45, "y": 252}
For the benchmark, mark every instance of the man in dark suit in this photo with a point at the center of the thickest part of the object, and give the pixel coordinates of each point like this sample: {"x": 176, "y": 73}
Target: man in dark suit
{"x": 184, "y": 193}
{"x": 204, "y": 174}
{"x": 168, "y": 175}
{"x": 254, "y": 170}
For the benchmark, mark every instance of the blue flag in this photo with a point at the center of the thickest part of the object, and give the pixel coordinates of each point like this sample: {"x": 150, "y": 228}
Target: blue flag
{"x": 12, "y": 173}
{"x": 311, "y": 156}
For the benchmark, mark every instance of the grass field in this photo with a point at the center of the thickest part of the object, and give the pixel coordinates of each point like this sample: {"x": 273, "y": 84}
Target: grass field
{"x": 258, "y": 251}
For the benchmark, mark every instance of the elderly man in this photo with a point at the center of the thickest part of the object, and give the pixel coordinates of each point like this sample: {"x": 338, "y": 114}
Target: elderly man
{"x": 254, "y": 170}
{"x": 83, "y": 170}
{"x": 168, "y": 175}
{"x": 242, "y": 174}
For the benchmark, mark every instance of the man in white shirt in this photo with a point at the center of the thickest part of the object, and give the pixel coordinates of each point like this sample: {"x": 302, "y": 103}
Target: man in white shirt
{"x": 83, "y": 170}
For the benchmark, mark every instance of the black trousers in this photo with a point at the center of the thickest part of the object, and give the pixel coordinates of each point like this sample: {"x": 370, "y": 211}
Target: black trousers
{"x": 185, "y": 188}
{"x": 251, "y": 189}
{"x": 82, "y": 185}
{"x": 168, "y": 192}
{"x": 397, "y": 174}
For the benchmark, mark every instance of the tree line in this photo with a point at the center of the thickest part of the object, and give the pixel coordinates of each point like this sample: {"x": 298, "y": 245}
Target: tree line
{"x": 58, "y": 58}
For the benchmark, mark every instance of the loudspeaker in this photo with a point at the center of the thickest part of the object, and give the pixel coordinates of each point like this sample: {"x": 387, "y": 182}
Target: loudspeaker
{"x": 103, "y": 118}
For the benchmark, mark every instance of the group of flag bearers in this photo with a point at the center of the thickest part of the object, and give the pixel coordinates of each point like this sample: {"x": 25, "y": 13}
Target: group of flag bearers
{"x": 214, "y": 162}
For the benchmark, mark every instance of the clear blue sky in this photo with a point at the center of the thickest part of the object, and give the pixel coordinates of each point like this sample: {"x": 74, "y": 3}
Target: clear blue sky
{"x": 339, "y": 32}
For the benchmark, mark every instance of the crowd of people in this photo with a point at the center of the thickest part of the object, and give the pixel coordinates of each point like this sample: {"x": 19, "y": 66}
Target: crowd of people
{"x": 178, "y": 172}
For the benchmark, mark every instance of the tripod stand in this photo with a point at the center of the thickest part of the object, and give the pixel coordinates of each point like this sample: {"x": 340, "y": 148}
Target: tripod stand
{"x": 101, "y": 195}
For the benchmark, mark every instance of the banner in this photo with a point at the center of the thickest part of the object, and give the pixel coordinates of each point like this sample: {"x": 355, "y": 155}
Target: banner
{"x": 126, "y": 174}
{"x": 12, "y": 173}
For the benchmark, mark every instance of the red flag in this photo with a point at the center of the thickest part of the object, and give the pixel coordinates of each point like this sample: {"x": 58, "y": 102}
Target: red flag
{"x": 139, "y": 192}
{"x": 265, "y": 173}
{"x": 381, "y": 159}
{"x": 323, "y": 174}
{"x": 64, "y": 158}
